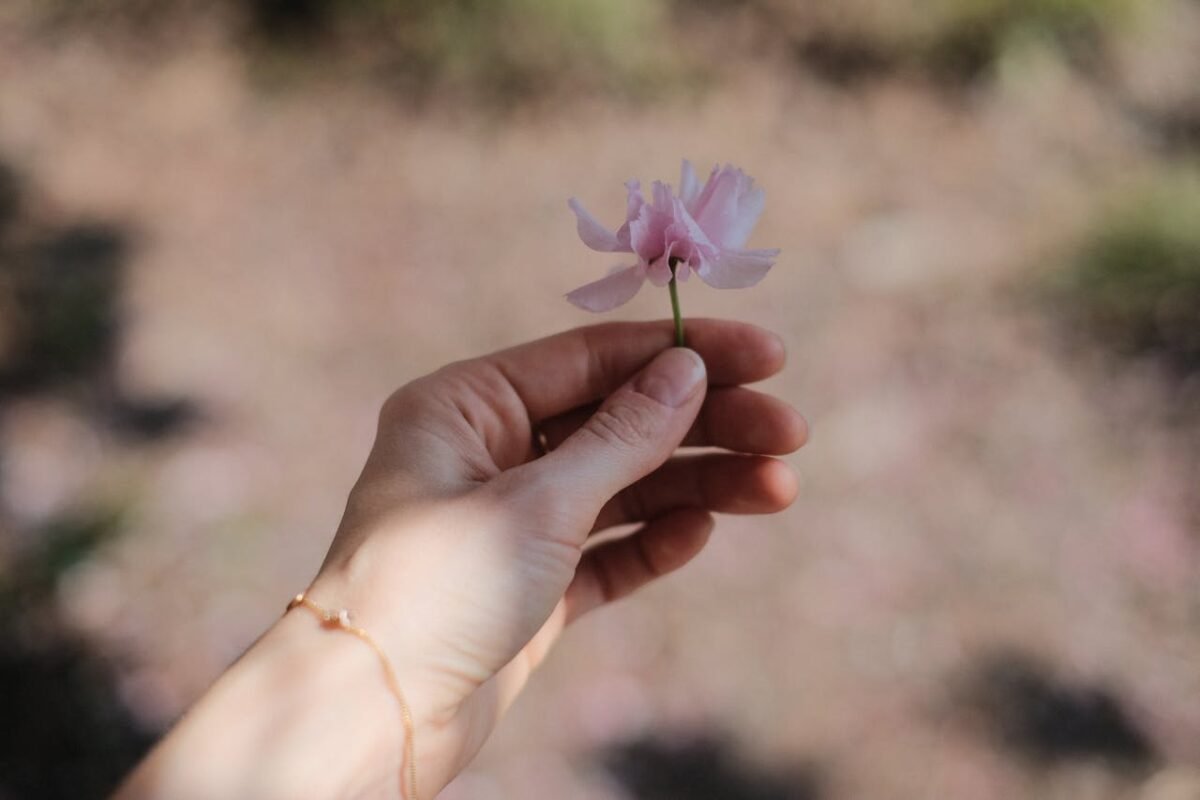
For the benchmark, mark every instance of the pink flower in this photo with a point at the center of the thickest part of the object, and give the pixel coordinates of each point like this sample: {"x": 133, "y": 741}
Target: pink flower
{"x": 702, "y": 230}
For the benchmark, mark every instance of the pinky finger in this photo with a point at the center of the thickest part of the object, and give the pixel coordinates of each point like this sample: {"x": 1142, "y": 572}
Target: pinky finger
{"x": 614, "y": 569}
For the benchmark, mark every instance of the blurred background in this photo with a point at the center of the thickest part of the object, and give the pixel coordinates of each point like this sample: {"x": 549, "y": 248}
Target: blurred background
{"x": 229, "y": 229}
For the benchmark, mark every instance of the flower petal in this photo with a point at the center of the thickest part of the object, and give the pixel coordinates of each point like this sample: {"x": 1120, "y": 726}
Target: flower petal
{"x": 749, "y": 209}
{"x": 659, "y": 272}
{"x": 689, "y": 186}
{"x": 685, "y": 227}
{"x": 611, "y": 291}
{"x": 633, "y": 207}
{"x": 633, "y": 199}
{"x": 593, "y": 234}
{"x": 662, "y": 197}
{"x": 648, "y": 233}
{"x": 707, "y": 190}
{"x": 728, "y": 207}
{"x": 737, "y": 269}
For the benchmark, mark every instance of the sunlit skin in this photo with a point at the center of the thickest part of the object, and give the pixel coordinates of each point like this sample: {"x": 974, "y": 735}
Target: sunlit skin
{"x": 464, "y": 550}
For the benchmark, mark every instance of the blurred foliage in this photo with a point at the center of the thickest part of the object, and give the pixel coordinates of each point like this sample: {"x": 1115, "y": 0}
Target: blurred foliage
{"x": 57, "y": 546}
{"x": 954, "y": 41}
{"x": 1135, "y": 281}
{"x": 496, "y": 50}
{"x": 972, "y": 35}
{"x": 501, "y": 53}
{"x": 492, "y": 52}
{"x": 63, "y": 290}
{"x": 70, "y": 541}
{"x": 10, "y": 198}
{"x": 67, "y": 733}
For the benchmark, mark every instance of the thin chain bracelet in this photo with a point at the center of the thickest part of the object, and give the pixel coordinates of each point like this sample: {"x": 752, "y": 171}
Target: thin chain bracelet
{"x": 341, "y": 619}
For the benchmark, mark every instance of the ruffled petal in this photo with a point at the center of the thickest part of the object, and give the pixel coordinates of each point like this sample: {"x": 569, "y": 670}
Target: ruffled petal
{"x": 610, "y": 291}
{"x": 737, "y": 269}
{"x": 686, "y": 228}
{"x": 648, "y": 233}
{"x": 717, "y": 214}
{"x": 659, "y": 272}
{"x": 662, "y": 197}
{"x": 749, "y": 209}
{"x": 728, "y": 207}
{"x": 633, "y": 207}
{"x": 633, "y": 199}
{"x": 593, "y": 234}
{"x": 706, "y": 192}
{"x": 689, "y": 186}
{"x": 640, "y": 238}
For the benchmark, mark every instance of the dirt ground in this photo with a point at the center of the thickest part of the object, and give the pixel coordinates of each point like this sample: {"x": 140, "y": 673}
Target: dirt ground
{"x": 976, "y": 493}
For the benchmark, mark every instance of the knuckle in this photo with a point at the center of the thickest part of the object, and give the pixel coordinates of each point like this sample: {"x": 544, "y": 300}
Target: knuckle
{"x": 409, "y": 400}
{"x": 628, "y": 424}
{"x": 395, "y": 407}
{"x": 390, "y": 409}
{"x": 404, "y": 409}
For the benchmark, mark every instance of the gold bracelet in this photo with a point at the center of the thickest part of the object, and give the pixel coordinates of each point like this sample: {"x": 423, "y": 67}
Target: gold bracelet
{"x": 341, "y": 619}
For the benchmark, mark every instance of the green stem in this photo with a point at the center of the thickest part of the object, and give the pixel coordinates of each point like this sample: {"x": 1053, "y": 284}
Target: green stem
{"x": 675, "y": 308}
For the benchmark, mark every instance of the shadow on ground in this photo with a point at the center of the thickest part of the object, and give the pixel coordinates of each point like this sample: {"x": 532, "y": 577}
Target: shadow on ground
{"x": 1047, "y": 720}
{"x": 707, "y": 768}
{"x": 60, "y": 292}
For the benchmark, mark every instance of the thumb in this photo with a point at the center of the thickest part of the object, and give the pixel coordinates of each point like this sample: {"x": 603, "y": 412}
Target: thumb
{"x": 633, "y": 432}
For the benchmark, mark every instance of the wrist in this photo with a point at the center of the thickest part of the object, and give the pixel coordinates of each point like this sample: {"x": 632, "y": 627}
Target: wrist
{"x": 335, "y": 728}
{"x": 303, "y": 713}
{"x": 400, "y": 680}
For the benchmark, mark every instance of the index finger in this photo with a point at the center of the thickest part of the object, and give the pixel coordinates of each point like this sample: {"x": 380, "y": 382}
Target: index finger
{"x": 584, "y": 365}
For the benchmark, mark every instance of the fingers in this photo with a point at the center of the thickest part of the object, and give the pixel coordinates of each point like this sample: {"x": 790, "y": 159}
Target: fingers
{"x": 733, "y": 418}
{"x": 630, "y": 435}
{"x": 585, "y": 365}
{"x": 748, "y": 422}
{"x": 723, "y": 482}
{"x": 614, "y": 569}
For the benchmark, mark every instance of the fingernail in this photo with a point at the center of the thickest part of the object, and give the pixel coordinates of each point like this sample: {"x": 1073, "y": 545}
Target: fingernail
{"x": 673, "y": 377}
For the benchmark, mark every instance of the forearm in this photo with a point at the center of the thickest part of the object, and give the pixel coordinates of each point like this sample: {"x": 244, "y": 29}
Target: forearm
{"x": 305, "y": 713}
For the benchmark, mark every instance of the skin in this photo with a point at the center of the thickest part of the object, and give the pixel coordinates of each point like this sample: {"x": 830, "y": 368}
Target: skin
{"x": 465, "y": 552}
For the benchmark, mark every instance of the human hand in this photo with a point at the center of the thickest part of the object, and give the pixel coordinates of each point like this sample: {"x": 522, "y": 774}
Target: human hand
{"x": 464, "y": 549}
{"x": 464, "y": 552}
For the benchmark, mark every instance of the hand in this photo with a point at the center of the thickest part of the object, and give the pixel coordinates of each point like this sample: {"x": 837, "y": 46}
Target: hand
{"x": 465, "y": 550}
